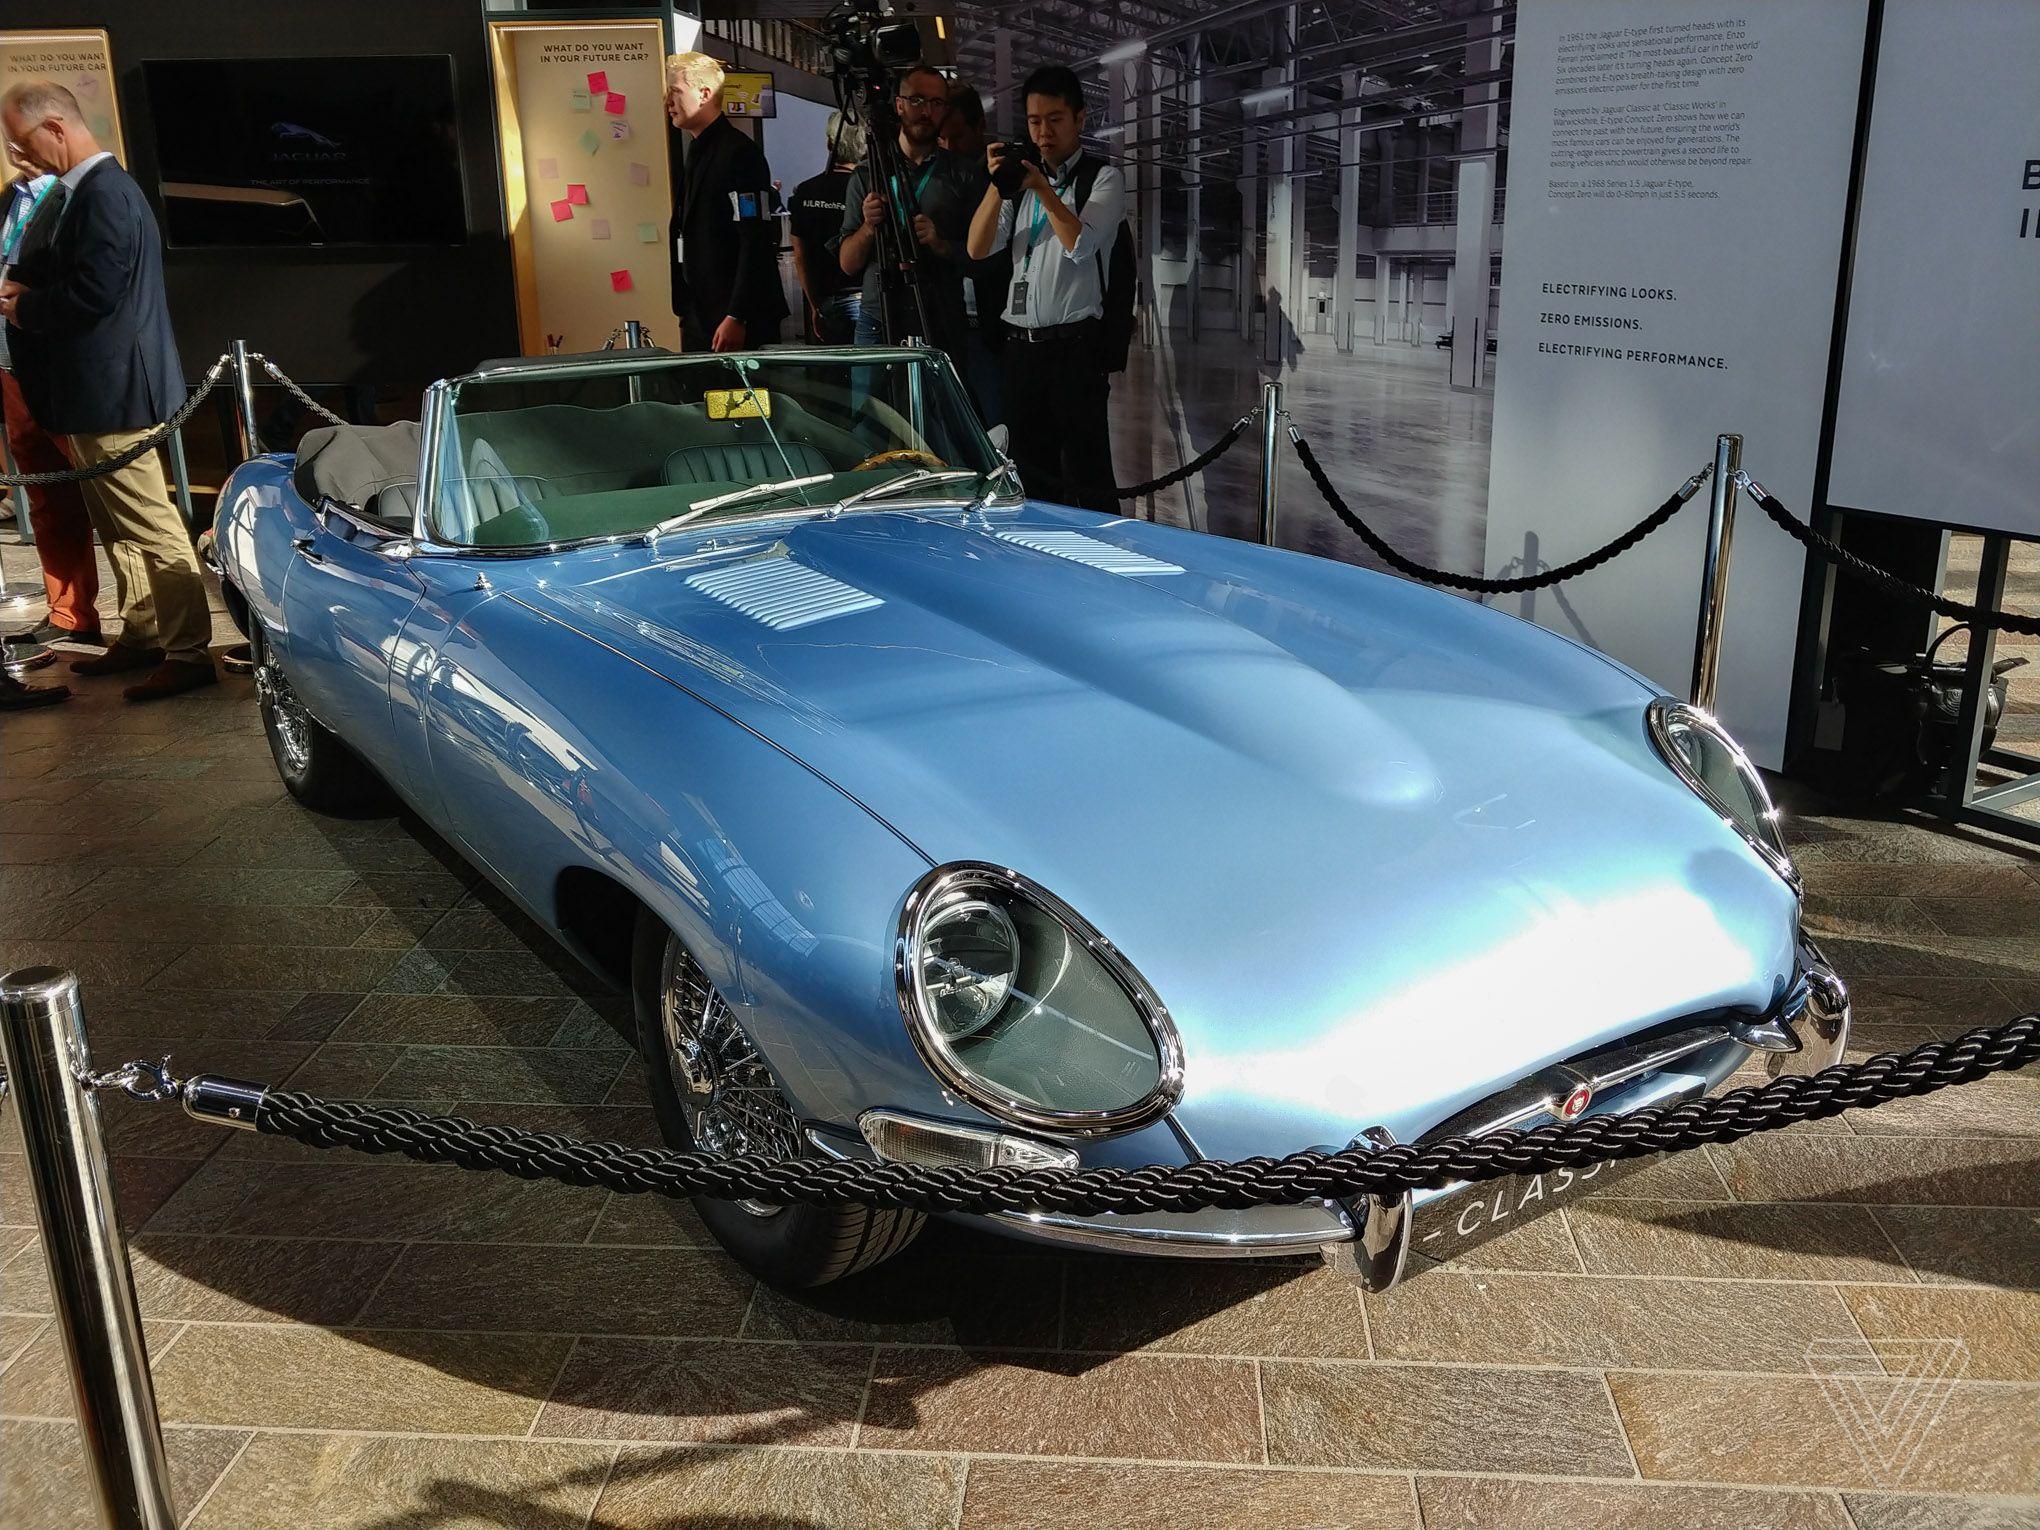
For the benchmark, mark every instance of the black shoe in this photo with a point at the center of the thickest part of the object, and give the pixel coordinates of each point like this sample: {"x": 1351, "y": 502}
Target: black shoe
{"x": 120, "y": 659}
{"x": 16, "y": 697}
{"x": 47, "y": 631}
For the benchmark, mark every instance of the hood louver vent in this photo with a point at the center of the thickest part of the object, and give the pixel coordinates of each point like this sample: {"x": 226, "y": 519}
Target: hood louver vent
{"x": 1091, "y": 552}
{"x": 781, "y": 593}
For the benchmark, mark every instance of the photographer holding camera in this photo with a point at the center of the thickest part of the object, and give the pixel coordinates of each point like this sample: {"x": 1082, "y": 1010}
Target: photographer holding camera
{"x": 940, "y": 190}
{"x": 1056, "y": 361}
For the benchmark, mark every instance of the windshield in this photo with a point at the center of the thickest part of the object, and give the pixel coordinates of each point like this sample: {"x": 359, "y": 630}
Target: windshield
{"x": 534, "y": 457}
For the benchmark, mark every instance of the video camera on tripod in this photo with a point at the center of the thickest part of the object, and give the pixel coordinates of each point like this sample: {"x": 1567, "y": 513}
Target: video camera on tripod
{"x": 867, "y": 52}
{"x": 865, "y": 48}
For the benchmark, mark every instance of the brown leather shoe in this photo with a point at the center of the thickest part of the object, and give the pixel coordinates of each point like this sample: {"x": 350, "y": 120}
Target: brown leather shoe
{"x": 118, "y": 660}
{"x": 173, "y": 677}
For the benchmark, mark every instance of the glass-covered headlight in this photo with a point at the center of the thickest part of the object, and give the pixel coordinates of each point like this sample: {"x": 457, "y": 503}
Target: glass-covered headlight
{"x": 1700, "y": 750}
{"x": 1023, "y": 1008}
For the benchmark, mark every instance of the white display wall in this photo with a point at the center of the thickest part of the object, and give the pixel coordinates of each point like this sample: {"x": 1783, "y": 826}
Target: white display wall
{"x": 1939, "y": 412}
{"x": 1678, "y": 183}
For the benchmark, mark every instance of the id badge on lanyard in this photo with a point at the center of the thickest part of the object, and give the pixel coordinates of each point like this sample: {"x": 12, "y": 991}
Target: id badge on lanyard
{"x": 1018, "y": 309}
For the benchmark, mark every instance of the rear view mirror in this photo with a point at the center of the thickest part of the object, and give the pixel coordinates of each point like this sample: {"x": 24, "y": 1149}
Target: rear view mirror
{"x": 738, "y": 404}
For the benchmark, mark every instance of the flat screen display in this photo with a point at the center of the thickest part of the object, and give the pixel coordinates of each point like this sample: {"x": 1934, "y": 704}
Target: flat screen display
{"x": 748, "y": 93}
{"x": 307, "y": 151}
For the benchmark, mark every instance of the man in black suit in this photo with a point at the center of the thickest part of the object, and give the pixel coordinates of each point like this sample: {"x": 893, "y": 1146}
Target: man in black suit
{"x": 725, "y": 229}
{"x": 89, "y": 334}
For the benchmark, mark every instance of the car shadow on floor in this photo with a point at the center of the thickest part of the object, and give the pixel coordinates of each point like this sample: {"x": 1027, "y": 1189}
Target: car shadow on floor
{"x": 769, "y": 1367}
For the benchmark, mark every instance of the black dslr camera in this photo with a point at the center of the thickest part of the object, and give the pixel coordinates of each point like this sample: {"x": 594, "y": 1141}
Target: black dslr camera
{"x": 1014, "y": 158}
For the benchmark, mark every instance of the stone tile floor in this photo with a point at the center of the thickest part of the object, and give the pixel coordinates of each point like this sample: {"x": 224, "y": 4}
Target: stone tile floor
{"x": 374, "y": 1344}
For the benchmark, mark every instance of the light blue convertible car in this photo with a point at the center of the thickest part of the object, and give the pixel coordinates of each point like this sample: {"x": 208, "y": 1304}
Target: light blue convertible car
{"x": 931, "y": 822}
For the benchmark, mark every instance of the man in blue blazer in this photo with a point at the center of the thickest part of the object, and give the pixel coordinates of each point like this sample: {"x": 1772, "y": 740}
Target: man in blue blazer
{"x": 89, "y": 334}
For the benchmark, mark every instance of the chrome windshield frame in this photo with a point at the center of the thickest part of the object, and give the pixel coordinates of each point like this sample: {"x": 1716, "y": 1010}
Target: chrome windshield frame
{"x": 441, "y": 396}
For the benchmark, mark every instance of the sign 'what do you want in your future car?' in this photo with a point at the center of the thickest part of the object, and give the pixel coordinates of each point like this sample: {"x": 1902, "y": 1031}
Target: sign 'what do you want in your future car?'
{"x": 1678, "y": 183}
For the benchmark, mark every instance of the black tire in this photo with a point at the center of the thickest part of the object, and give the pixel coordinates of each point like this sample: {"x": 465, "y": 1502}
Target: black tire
{"x": 790, "y": 1247}
{"x": 317, "y": 769}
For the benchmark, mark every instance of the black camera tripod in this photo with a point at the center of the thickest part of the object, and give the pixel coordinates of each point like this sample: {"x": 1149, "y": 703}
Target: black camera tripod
{"x": 862, "y": 63}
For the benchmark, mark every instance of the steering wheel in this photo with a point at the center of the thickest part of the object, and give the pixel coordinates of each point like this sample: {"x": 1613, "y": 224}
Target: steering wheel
{"x": 904, "y": 454}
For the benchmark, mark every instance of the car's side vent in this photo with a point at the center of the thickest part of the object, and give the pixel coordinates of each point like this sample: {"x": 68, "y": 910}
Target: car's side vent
{"x": 1088, "y": 550}
{"x": 781, "y": 593}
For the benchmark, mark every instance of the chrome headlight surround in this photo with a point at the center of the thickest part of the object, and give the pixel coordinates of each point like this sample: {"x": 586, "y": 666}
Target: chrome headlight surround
{"x": 1669, "y": 721}
{"x": 969, "y": 882}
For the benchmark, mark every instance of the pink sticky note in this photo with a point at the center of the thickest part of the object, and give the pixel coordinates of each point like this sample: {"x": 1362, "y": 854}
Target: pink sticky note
{"x": 562, "y": 210}
{"x": 613, "y": 104}
{"x": 548, "y": 169}
{"x": 598, "y": 81}
{"x": 640, "y": 175}
{"x": 577, "y": 194}
{"x": 619, "y": 281}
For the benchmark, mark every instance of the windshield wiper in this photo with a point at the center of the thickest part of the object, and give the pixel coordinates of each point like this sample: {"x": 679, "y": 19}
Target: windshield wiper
{"x": 911, "y": 480}
{"x": 735, "y": 496}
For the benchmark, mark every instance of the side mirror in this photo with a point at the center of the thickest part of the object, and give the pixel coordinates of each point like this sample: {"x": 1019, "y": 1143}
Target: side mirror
{"x": 1001, "y": 437}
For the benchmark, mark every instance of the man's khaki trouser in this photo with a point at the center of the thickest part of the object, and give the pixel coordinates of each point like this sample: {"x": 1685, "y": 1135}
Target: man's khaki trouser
{"x": 156, "y": 575}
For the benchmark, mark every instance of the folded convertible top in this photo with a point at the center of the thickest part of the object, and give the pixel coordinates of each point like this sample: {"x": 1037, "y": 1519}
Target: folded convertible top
{"x": 355, "y": 464}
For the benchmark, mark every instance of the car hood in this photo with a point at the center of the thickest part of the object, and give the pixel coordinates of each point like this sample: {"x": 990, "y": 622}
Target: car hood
{"x": 1376, "y": 847}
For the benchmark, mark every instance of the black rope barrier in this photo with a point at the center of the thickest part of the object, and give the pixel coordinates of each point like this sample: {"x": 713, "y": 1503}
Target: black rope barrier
{"x": 1593, "y": 560}
{"x": 1299, "y": 1177}
{"x": 290, "y": 386}
{"x": 1196, "y": 465}
{"x": 129, "y": 454}
{"x": 1869, "y": 573}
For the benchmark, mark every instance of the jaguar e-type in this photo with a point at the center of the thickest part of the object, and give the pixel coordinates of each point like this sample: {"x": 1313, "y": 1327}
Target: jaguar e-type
{"x": 929, "y": 821}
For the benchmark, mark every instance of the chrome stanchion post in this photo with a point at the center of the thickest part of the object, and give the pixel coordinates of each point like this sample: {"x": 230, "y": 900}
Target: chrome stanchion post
{"x": 1271, "y": 417}
{"x": 1714, "y": 570}
{"x": 42, "y": 1039}
{"x": 250, "y": 440}
{"x": 633, "y": 339}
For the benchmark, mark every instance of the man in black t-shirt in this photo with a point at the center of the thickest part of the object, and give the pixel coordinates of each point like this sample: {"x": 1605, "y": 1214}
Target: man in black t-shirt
{"x": 940, "y": 191}
{"x": 833, "y": 299}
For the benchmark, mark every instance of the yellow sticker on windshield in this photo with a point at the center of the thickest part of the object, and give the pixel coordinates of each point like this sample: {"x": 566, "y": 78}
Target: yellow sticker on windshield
{"x": 739, "y": 404}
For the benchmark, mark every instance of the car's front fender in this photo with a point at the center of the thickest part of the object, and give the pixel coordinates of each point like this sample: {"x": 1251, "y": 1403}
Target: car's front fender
{"x": 787, "y": 891}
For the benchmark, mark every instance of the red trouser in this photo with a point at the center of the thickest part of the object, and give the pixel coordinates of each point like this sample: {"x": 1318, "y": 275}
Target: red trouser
{"x": 56, "y": 513}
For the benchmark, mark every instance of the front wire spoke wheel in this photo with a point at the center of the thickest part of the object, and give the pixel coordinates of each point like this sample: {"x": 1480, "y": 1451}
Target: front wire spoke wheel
{"x": 712, "y": 1091}
{"x": 732, "y": 1105}
{"x": 293, "y": 725}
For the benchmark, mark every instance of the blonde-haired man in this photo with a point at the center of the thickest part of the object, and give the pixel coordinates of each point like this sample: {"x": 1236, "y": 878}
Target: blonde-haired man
{"x": 700, "y": 77}
{"x": 725, "y": 226}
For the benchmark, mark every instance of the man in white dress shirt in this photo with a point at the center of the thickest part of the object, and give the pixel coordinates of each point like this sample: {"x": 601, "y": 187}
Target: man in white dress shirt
{"x": 1060, "y": 223}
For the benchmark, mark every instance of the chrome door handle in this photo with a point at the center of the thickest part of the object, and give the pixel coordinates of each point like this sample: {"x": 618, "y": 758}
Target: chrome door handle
{"x": 303, "y": 543}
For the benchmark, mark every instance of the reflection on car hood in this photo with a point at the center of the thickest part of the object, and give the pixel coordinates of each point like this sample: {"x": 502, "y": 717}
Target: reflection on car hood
{"x": 1376, "y": 847}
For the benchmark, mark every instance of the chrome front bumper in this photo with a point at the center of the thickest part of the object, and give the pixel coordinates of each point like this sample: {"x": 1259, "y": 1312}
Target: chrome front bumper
{"x": 1380, "y": 1240}
{"x": 1406, "y": 1234}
